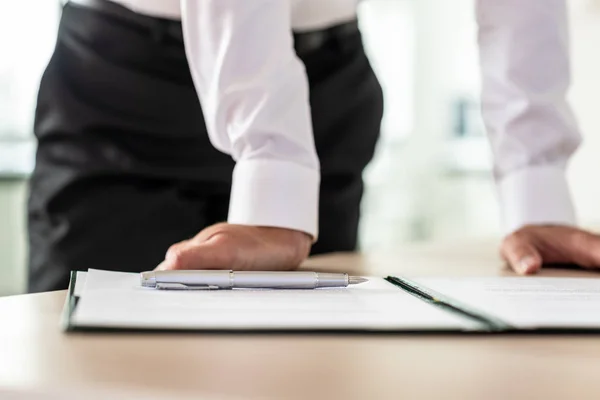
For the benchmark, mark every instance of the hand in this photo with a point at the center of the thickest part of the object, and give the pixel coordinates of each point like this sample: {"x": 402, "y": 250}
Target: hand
{"x": 239, "y": 247}
{"x": 530, "y": 247}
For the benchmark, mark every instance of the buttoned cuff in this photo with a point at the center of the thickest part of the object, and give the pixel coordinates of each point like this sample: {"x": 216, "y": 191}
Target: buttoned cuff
{"x": 535, "y": 196}
{"x": 275, "y": 194}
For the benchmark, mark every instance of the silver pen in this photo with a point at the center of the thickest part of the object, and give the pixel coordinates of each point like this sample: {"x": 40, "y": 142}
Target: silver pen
{"x": 223, "y": 279}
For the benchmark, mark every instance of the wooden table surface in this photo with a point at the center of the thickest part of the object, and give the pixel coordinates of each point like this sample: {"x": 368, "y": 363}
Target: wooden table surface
{"x": 35, "y": 354}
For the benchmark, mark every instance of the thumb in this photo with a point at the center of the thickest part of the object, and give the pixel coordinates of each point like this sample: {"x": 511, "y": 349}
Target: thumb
{"x": 189, "y": 254}
{"x": 521, "y": 255}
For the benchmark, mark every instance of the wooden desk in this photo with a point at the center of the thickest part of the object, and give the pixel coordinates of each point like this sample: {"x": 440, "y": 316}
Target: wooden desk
{"x": 35, "y": 353}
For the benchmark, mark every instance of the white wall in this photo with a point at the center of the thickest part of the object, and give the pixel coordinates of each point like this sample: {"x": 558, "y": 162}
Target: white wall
{"x": 27, "y": 37}
{"x": 585, "y": 98}
{"x": 12, "y": 237}
{"x": 388, "y": 33}
{"x": 408, "y": 196}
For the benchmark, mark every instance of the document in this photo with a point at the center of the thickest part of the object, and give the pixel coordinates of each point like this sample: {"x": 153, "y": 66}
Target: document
{"x": 527, "y": 302}
{"x": 116, "y": 300}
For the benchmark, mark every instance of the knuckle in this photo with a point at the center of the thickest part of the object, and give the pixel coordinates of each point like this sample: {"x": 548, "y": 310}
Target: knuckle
{"x": 509, "y": 243}
{"x": 506, "y": 242}
{"x": 226, "y": 250}
{"x": 212, "y": 231}
{"x": 177, "y": 256}
{"x": 517, "y": 240}
{"x": 221, "y": 238}
{"x": 522, "y": 235}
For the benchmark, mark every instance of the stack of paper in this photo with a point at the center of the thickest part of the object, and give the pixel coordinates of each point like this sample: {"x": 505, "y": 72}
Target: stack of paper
{"x": 117, "y": 301}
{"x": 528, "y": 302}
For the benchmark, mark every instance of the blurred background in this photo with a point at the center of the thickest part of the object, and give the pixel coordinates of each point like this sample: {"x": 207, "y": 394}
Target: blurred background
{"x": 431, "y": 178}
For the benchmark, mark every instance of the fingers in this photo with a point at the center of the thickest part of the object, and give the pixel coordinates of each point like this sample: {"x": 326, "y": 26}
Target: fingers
{"x": 239, "y": 247}
{"x": 582, "y": 248}
{"x": 213, "y": 230}
{"x": 521, "y": 255}
{"x": 191, "y": 254}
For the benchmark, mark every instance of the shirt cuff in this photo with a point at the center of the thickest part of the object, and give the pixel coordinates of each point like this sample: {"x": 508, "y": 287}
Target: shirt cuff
{"x": 535, "y": 196}
{"x": 277, "y": 194}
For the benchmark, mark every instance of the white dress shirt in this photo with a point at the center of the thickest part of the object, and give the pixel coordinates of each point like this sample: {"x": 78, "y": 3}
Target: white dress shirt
{"x": 254, "y": 94}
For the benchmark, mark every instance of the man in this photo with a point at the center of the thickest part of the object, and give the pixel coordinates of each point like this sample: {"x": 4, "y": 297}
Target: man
{"x": 124, "y": 168}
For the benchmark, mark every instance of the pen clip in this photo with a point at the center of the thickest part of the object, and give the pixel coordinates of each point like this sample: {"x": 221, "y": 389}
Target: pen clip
{"x": 182, "y": 286}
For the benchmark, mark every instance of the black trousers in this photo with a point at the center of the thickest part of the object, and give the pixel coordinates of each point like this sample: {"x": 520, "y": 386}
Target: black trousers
{"x": 124, "y": 167}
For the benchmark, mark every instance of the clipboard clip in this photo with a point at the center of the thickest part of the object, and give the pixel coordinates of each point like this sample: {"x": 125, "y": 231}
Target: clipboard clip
{"x": 182, "y": 286}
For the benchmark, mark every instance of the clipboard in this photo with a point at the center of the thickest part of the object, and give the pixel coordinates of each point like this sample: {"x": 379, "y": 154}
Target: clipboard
{"x": 478, "y": 317}
{"x": 479, "y": 322}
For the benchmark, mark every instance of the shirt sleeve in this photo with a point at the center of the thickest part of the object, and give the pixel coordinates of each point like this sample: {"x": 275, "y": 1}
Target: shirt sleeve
{"x": 524, "y": 56}
{"x": 254, "y": 95}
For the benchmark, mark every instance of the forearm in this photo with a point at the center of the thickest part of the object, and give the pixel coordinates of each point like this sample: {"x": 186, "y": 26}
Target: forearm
{"x": 254, "y": 95}
{"x": 524, "y": 54}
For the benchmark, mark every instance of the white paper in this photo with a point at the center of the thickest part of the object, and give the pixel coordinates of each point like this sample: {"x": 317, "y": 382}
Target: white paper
{"x": 79, "y": 283}
{"x": 528, "y": 302}
{"x": 113, "y": 299}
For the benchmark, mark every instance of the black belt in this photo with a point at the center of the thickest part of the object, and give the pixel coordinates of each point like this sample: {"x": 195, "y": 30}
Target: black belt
{"x": 304, "y": 42}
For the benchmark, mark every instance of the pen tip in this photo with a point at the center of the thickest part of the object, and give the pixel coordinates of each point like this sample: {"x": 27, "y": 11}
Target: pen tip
{"x": 355, "y": 280}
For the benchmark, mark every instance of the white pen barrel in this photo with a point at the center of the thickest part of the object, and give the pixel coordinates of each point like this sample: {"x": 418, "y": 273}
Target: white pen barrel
{"x": 220, "y": 278}
{"x": 289, "y": 280}
{"x": 251, "y": 279}
{"x": 274, "y": 279}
